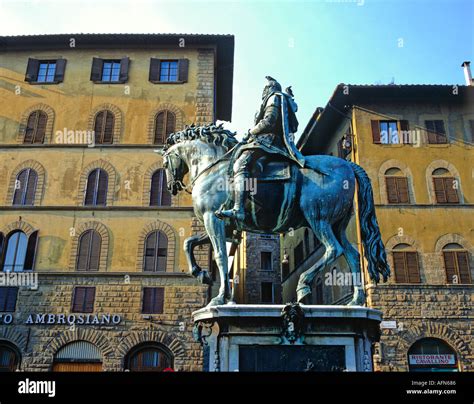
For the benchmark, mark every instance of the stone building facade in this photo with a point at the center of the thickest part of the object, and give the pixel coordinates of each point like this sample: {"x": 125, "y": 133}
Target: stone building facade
{"x": 416, "y": 144}
{"x": 93, "y": 220}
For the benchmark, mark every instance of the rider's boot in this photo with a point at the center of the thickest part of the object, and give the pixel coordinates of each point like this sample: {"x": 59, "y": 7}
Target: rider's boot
{"x": 240, "y": 195}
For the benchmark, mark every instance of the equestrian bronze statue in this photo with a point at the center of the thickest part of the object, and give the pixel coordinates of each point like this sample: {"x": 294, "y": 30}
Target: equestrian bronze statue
{"x": 265, "y": 185}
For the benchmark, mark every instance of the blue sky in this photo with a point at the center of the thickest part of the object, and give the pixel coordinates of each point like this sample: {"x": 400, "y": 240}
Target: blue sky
{"x": 311, "y": 45}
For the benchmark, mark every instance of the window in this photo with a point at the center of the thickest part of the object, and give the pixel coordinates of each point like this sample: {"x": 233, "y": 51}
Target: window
{"x": 397, "y": 186}
{"x": 110, "y": 70}
{"x": 104, "y": 127}
{"x": 9, "y": 357}
{"x": 83, "y": 299}
{"x": 406, "y": 265}
{"x": 25, "y": 187}
{"x": 159, "y": 194}
{"x": 78, "y": 356}
{"x": 88, "y": 251}
{"x": 456, "y": 264}
{"x": 20, "y": 252}
{"x": 153, "y": 300}
{"x": 389, "y": 131}
{"x": 36, "y": 127}
{"x": 96, "y": 188}
{"x": 266, "y": 261}
{"x": 156, "y": 252}
{"x": 266, "y": 292}
{"x": 148, "y": 358}
{"x": 45, "y": 71}
{"x": 432, "y": 355}
{"x": 168, "y": 71}
{"x": 436, "y": 131}
{"x": 8, "y": 296}
{"x": 165, "y": 122}
{"x": 299, "y": 254}
{"x": 445, "y": 187}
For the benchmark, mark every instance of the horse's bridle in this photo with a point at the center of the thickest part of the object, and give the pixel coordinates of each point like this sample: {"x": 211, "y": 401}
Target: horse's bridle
{"x": 173, "y": 172}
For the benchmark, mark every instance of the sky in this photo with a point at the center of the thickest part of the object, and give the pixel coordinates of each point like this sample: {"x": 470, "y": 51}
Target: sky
{"x": 312, "y": 45}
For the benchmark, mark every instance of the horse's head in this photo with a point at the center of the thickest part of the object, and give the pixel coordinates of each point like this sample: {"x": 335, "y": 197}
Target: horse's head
{"x": 175, "y": 168}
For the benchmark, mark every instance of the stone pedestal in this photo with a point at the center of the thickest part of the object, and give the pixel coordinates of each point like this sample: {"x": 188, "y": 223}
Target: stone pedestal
{"x": 287, "y": 338}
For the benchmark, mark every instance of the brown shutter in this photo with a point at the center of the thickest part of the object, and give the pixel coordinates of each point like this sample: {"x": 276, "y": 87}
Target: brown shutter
{"x": 162, "y": 252}
{"x": 60, "y": 69}
{"x": 22, "y": 178}
{"x": 451, "y": 193}
{"x": 32, "y": 70}
{"x": 89, "y": 300}
{"x": 392, "y": 195}
{"x": 40, "y": 130}
{"x": 147, "y": 300}
{"x": 150, "y": 252}
{"x": 450, "y": 266}
{"x": 160, "y": 128}
{"x": 96, "y": 71}
{"x": 108, "y": 135}
{"x": 413, "y": 268}
{"x": 183, "y": 65}
{"x": 98, "y": 126}
{"x": 399, "y": 267}
{"x": 154, "y": 74}
{"x": 170, "y": 123}
{"x": 375, "y": 131}
{"x": 159, "y": 300}
{"x": 402, "y": 189}
{"x": 30, "y": 127}
{"x": 404, "y": 128}
{"x": 154, "y": 188}
{"x": 90, "y": 188}
{"x": 78, "y": 299}
{"x": 94, "y": 252}
{"x": 462, "y": 259}
{"x": 124, "y": 64}
{"x": 165, "y": 194}
{"x": 101, "y": 199}
{"x": 440, "y": 132}
{"x": 83, "y": 251}
{"x": 30, "y": 188}
{"x": 11, "y": 297}
{"x": 440, "y": 192}
{"x": 31, "y": 251}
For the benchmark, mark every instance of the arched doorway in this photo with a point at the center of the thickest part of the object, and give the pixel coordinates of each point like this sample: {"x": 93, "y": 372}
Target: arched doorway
{"x": 78, "y": 356}
{"x": 9, "y": 357}
{"x": 149, "y": 357}
{"x": 432, "y": 355}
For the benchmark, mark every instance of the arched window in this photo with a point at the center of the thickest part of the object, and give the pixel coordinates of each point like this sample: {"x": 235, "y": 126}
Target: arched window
{"x": 104, "y": 127}
{"x": 149, "y": 358}
{"x": 397, "y": 186}
{"x": 156, "y": 252}
{"x": 445, "y": 186}
{"x": 9, "y": 357}
{"x": 96, "y": 188}
{"x": 25, "y": 187}
{"x": 165, "y": 122}
{"x": 36, "y": 127}
{"x": 159, "y": 194}
{"x": 20, "y": 251}
{"x": 78, "y": 356}
{"x": 406, "y": 266}
{"x": 456, "y": 264}
{"x": 432, "y": 355}
{"x": 88, "y": 251}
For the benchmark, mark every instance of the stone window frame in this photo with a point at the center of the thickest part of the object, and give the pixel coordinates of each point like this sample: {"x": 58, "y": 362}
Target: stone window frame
{"x": 178, "y": 113}
{"x": 434, "y": 165}
{"x": 390, "y": 245}
{"x": 111, "y": 183}
{"x": 39, "y": 191}
{"x": 171, "y": 259}
{"x": 21, "y": 225}
{"x": 118, "y": 121}
{"x": 48, "y": 133}
{"x": 147, "y": 187}
{"x": 104, "y": 247}
{"x": 454, "y": 238}
{"x": 392, "y": 163}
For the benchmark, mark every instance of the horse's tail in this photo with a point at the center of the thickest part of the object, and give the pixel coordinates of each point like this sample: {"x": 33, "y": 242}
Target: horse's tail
{"x": 374, "y": 249}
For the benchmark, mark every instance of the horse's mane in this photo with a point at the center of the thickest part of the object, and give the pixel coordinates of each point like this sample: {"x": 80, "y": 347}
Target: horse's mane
{"x": 210, "y": 133}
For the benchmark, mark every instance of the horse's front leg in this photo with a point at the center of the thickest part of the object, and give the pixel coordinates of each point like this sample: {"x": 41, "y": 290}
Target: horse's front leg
{"x": 194, "y": 269}
{"x": 216, "y": 230}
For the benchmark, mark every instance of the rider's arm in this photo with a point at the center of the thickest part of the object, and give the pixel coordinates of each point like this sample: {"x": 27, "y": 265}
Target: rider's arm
{"x": 269, "y": 118}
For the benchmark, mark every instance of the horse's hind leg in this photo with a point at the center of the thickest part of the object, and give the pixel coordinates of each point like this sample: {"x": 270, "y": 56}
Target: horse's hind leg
{"x": 323, "y": 231}
{"x": 189, "y": 244}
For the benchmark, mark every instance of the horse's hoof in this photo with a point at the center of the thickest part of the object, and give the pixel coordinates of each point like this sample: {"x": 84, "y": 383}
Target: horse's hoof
{"x": 205, "y": 278}
{"x": 302, "y": 292}
{"x": 216, "y": 301}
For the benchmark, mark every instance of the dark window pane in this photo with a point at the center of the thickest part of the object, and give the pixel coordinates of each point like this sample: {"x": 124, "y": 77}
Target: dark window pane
{"x": 266, "y": 260}
{"x": 266, "y": 292}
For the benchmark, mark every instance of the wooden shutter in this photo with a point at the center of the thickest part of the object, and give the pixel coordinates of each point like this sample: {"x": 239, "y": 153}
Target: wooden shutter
{"x": 40, "y": 130}
{"x": 32, "y": 70}
{"x": 83, "y": 251}
{"x": 450, "y": 266}
{"x": 404, "y": 128}
{"x": 96, "y": 71}
{"x": 30, "y": 190}
{"x": 153, "y": 300}
{"x": 108, "y": 130}
{"x": 60, "y": 70}
{"x": 94, "y": 259}
{"x": 165, "y": 194}
{"x": 90, "y": 187}
{"x": 78, "y": 299}
{"x": 124, "y": 64}
{"x": 31, "y": 251}
{"x": 30, "y": 128}
{"x": 392, "y": 194}
{"x": 98, "y": 125}
{"x": 11, "y": 297}
{"x": 375, "y": 131}
{"x": 102, "y": 185}
{"x": 154, "y": 74}
{"x": 160, "y": 128}
{"x": 150, "y": 252}
{"x": 399, "y": 267}
{"x": 22, "y": 179}
{"x": 451, "y": 193}
{"x": 402, "y": 190}
{"x": 412, "y": 266}
{"x": 464, "y": 269}
{"x": 147, "y": 300}
{"x": 89, "y": 300}
{"x": 440, "y": 192}
{"x": 162, "y": 252}
{"x": 170, "y": 123}
{"x": 183, "y": 65}
{"x": 440, "y": 131}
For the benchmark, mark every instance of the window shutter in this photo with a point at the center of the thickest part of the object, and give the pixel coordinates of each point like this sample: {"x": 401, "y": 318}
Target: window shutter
{"x": 83, "y": 251}
{"x": 124, "y": 64}
{"x": 402, "y": 189}
{"x": 11, "y": 297}
{"x": 165, "y": 194}
{"x": 430, "y": 127}
{"x": 147, "y": 300}
{"x": 30, "y": 128}
{"x": 450, "y": 266}
{"x": 31, "y": 251}
{"x": 159, "y": 300}
{"x": 413, "y": 268}
{"x": 108, "y": 134}
{"x": 404, "y": 128}
{"x": 399, "y": 267}
{"x": 78, "y": 299}
{"x": 440, "y": 193}
{"x": 451, "y": 193}
{"x": 150, "y": 252}
{"x": 463, "y": 266}
{"x": 40, "y": 129}
{"x": 160, "y": 128}
{"x": 183, "y": 65}
{"x": 90, "y": 188}
{"x": 89, "y": 300}
{"x": 170, "y": 123}
{"x": 404, "y": 125}
{"x": 101, "y": 199}
{"x": 32, "y": 70}
{"x": 98, "y": 125}
{"x": 154, "y": 188}
{"x": 392, "y": 194}
{"x": 21, "y": 180}
{"x": 95, "y": 252}
{"x": 30, "y": 188}
{"x": 162, "y": 252}
{"x": 96, "y": 71}
{"x": 375, "y": 131}
{"x": 60, "y": 69}
{"x": 154, "y": 75}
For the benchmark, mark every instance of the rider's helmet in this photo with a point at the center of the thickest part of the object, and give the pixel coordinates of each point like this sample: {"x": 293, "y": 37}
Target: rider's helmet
{"x": 271, "y": 87}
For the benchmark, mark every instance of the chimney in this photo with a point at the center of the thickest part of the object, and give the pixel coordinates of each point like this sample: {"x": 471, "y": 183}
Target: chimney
{"x": 467, "y": 73}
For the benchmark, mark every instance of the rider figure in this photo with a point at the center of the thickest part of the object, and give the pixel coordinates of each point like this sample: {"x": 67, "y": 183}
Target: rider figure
{"x": 275, "y": 124}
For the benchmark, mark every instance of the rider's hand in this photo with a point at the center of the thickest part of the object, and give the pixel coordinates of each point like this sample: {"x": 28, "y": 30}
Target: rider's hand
{"x": 247, "y": 136}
